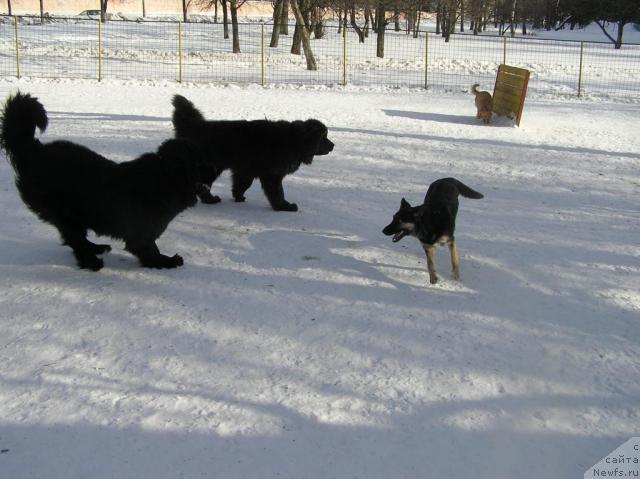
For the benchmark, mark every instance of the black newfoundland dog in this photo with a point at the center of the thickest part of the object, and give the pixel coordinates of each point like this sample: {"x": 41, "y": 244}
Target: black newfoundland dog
{"x": 264, "y": 149}
{"x": 75, "y": 189}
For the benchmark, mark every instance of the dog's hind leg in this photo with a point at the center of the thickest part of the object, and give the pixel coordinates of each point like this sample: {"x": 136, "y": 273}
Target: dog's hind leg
{"x": 208, "y": 175}
{"x": 272, "y": 186}
{"x": 83, "y": 249}
{"x": 150, "y": 257}
{"x": 241, "y": 183}
{"x": 204, "y": 193}
{"x": 455, "y": 259}
{"x": 430, "y": 250}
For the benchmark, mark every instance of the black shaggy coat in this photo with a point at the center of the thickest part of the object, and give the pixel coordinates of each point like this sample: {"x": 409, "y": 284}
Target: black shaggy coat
{"x": 263, "y": 149}
{"x": 75, "y": 189}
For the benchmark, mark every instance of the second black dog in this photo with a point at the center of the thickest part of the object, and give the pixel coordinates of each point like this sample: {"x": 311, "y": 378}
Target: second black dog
{"x": 76, "y": 189}
{"x": 433, "y": 222}
{"x": 264, "y": 149}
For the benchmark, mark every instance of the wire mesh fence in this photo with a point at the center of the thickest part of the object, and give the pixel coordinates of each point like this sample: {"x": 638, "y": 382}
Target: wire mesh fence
{"x": 202, "y": 52}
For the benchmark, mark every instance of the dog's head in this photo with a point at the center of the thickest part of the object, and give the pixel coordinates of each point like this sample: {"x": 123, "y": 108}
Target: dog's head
{"x": 314, "y": 140}
{"x": 403, "y": 222}
{"x": 182, "y": 160}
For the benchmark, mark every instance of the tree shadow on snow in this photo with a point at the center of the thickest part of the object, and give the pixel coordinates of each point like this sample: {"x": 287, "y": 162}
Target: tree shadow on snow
{"x": 419, "y": 443}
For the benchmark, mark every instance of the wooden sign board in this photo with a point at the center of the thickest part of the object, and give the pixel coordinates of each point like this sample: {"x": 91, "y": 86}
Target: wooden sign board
{"x": 509, "y": 91}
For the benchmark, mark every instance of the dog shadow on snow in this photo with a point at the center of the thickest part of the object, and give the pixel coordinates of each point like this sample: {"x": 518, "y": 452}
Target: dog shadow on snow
{"x": 329, "y": 255}
{"x": 469, "y": 119}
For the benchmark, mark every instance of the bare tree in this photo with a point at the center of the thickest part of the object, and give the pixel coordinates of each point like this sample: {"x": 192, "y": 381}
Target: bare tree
{"x": 185, "y": 17}
{"x": 9, "y": 7}
{"x": 381, "y": 27}
{"x": 225, "y": 18}
{"x": 234, "y": 6}
{"x": 277, "y": 16}
{"x": 284, "y": 19}
{"x": 144, "y": 9}
{"x": 103, "y": 10}
{"x": 306, "y": 43}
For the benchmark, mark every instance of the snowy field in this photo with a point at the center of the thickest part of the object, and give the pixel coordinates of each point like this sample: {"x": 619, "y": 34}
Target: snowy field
{"x": 149, "y": 51}
{"x": 308, "y": 345}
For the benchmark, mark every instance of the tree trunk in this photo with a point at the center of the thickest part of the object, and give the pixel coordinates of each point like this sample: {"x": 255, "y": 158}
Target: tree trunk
{"x": 318, "y": 31}
{"x": 438, "y": 17}
{"x": 9, "y": 6}
{"x": 306, "y": 43}
{"x": 396, "y": 20}
{"x": 103, "y": 10}
{"x": 461, "y": 16}
{"x": 296, "y": 41}
{"x": 284, "y": 20}
{"x": 215, "y": 11}
{"x": 354, "y": 24}
{"x": 233, "y": 6}
{"x": 41, "y": 11}
{"x": 225, "y": 19}
{"x": 618, "y": 43}
{"x": 185, "y": 15}
{"x": 512, "y": 17}
{"x": 275, "y": 33}
{"x": 382, "y": 23}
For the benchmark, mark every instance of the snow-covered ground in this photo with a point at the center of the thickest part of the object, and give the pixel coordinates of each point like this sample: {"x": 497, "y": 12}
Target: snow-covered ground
{"x": 149, "y": 51}
{"x": 308, "y": 344}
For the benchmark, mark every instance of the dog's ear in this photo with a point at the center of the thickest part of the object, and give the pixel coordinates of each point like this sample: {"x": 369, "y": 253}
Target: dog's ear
{"x": 180, "y": 157}
{"x": 315, "y": 127}
{"x": 404, "y": 204}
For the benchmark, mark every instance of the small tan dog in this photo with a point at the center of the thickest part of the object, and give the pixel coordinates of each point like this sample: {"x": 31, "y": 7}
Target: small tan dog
{"x": 484, "y": 103}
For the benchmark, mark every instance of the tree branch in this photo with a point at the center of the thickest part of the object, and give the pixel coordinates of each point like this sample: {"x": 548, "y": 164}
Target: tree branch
{"x": 601, "y": 25}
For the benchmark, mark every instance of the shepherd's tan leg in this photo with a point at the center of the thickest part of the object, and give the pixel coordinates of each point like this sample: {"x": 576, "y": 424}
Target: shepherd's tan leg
{"x": 455, "y": 259}
{"x": 430, "y": 250}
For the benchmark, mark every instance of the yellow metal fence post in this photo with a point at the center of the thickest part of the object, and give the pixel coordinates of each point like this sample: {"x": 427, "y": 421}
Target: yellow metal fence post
{"x": 426, "y": 59}
{"x": 179, "y": 52}
{"x": 262, "y": 53}
{"x": 99, "y": 49}
{"x": 580, "y": 71}
{"x": 15, "y": 28}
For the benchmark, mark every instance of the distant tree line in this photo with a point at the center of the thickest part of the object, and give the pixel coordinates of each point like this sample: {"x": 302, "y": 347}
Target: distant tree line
{"x": 368, "y": 17}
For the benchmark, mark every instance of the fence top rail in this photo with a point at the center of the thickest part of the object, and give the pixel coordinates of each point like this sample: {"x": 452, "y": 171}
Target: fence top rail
{"x": 207, "y": 19}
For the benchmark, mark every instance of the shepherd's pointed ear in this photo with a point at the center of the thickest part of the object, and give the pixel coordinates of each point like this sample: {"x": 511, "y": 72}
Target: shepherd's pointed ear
{"x": 404, "y": 203}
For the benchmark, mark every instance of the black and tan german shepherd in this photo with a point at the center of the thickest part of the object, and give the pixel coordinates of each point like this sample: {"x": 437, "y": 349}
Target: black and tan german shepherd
{"x": 433, "y": 222}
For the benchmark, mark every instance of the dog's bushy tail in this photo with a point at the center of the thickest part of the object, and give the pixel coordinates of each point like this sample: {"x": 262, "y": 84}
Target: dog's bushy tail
{"x": 465, "y": 191}
{"x": 474, "y": 88}
{"x": 20, "y": 116}
{"x": 185, "y": 116}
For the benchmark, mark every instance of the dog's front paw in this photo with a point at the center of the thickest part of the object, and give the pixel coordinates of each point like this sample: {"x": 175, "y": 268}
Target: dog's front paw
{"x": 162, "y": 261}
{"x": 455, "y": 275}
{"x": 433, "y": 279}
{"x": 239, "y": 199}
{"x": 91, "y": 263}
{"x": 210, "y": 199}
{"x": 176, "y": 260}
{"x": 287, "y": 207}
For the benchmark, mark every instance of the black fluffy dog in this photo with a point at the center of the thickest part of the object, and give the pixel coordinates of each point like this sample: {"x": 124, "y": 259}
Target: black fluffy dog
{"x": 268, "y": 150}
{"x": 75, "y": 189}
{"x": 433, "y": 222}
